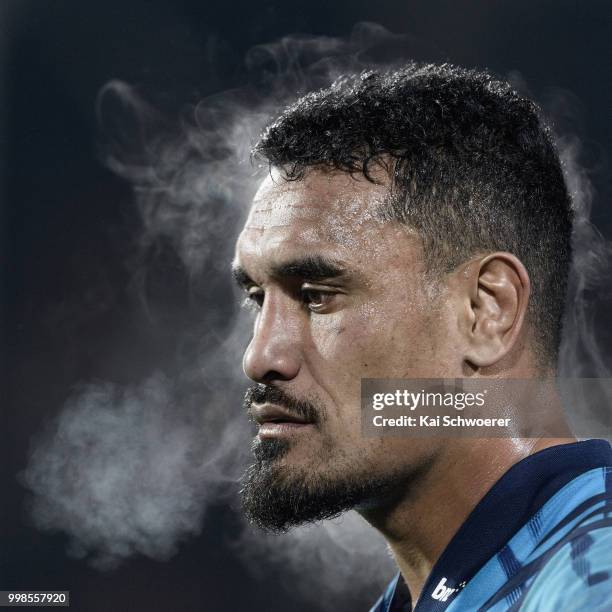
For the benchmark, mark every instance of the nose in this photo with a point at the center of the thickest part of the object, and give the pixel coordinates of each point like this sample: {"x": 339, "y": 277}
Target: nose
{"x": 274, "y": 352}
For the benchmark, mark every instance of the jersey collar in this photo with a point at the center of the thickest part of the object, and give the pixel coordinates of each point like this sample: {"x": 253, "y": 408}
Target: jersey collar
{"x": 507, "y": 506}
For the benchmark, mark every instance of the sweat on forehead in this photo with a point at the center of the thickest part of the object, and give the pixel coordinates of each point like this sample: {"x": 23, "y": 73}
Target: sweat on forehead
{"x": 333, "y": 215}
{"x": 318, "y": 196}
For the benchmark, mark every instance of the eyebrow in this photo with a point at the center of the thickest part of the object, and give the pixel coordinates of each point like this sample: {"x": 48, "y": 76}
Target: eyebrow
{"x": 312, "y": 268}
{"x": 239, "y": 274}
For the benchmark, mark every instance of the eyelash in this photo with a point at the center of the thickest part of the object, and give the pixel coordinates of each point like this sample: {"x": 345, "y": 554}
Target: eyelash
{"x": 324, "y": 294}
{"x": 254, "y": 300}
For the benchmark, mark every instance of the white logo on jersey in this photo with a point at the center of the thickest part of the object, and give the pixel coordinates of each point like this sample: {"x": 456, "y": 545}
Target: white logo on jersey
{"x": 441, "y": 592}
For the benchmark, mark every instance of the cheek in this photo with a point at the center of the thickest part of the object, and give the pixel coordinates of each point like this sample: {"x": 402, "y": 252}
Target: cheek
{"x": 342, "y": 338}
{"x": 371, "y": 341}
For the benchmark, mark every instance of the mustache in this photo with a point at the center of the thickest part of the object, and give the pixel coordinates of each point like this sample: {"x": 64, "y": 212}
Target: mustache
{"x": 269, "y": 394}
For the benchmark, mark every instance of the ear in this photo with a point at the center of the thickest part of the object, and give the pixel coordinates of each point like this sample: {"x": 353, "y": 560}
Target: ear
{"x": 496, "y": 295}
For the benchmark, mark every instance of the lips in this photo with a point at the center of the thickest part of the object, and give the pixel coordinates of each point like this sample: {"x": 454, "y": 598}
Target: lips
{"x": 272, "y": 413}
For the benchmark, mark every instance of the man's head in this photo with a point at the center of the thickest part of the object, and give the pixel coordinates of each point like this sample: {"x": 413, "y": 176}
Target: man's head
{"x": 407, "y": 218}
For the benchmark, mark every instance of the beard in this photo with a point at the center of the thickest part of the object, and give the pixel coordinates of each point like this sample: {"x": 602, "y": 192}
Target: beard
{"x": 278, "y": 497}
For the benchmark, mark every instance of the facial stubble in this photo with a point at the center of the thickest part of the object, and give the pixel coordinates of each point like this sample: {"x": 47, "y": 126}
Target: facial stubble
{"x": 278, "y": 495}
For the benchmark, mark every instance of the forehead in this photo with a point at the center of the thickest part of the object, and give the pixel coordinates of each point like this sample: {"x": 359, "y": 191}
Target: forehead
{"x": 332, "y": 213}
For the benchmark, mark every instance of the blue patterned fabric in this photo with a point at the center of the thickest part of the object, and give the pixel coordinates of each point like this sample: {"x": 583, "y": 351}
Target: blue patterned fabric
{"x": 540, "y": 540}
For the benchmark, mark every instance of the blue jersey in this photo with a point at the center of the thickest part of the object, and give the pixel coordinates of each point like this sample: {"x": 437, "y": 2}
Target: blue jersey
{"x": 540, "y": 540}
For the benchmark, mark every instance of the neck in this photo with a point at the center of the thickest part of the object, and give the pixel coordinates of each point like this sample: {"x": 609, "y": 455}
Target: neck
{"x": 421, "y": 524}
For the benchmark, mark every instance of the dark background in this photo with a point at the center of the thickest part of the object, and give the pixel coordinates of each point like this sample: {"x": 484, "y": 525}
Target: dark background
{"x": 68, "y": 225}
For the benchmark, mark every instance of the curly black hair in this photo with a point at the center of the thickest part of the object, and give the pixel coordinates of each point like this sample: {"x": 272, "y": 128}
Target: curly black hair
{"x": 472, "y": 163}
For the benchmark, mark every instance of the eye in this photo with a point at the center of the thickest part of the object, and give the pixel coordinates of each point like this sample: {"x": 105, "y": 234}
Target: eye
{"x": 316, "y": 299}
{"x": 254, "y": 298}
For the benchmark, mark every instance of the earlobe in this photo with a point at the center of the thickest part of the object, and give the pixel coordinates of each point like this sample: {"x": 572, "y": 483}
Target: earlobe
{"x": 498, "y": 288}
